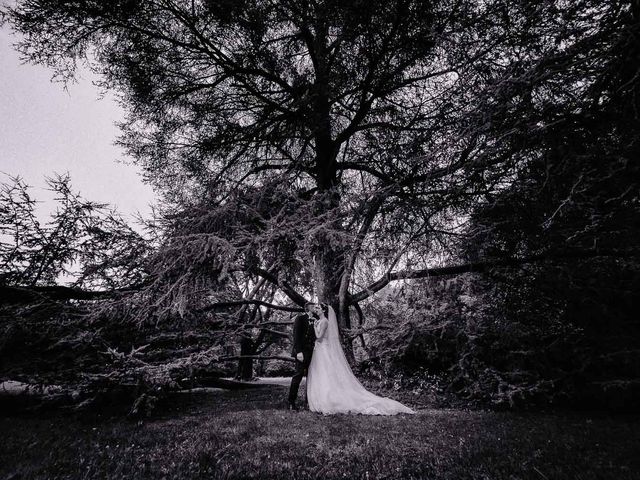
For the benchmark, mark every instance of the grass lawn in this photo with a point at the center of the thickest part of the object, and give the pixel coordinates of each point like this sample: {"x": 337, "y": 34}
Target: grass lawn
{"x": 246, "y": 434}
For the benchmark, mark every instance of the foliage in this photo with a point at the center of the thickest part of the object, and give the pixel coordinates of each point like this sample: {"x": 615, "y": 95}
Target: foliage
{"x": 94, "y": 362}
{"x": 402, "y": 116}
{"x": 373, "y": 110}
{"x": 544, "y": 335}
{"x": 114, "y": 343}
{"x": 83, "y": 241}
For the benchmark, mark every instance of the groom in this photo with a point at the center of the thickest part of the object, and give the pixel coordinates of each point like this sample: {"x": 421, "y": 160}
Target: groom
{"x": 304, "y": 338}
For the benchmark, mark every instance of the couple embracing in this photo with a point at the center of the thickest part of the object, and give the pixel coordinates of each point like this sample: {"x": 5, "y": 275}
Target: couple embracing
{"x": 331, "y": 385}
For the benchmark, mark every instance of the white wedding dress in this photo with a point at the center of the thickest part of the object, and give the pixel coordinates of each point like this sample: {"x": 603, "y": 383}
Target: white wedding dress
{"x": 331, "y": 385}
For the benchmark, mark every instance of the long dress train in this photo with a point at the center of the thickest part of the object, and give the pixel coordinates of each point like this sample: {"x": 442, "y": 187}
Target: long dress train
{"x": 331, "y": 385}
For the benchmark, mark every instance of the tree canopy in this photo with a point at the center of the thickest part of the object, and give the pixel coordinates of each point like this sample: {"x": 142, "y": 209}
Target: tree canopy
{"x": 329, "y": 147}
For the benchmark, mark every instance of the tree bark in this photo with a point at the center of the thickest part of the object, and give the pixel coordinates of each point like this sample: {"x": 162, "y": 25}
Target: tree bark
{"x": 330, "y": 256}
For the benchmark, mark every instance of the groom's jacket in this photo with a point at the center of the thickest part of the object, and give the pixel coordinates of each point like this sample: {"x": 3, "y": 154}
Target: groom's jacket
{"x": 303, "y": 335}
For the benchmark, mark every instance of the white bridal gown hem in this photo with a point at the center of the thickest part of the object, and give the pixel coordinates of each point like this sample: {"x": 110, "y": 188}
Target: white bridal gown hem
{"x": 332, "y": 388}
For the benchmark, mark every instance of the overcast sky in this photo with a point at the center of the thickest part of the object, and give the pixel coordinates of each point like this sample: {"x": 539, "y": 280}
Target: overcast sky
{"x": 45, "y": 129}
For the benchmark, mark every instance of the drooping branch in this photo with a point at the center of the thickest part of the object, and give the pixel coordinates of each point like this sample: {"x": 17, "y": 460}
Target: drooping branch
{"x": 479, "y": 267}
{"x": 235, "y": 303}
{"x": 257, "y": 357}
{"x": 282, "y": 284}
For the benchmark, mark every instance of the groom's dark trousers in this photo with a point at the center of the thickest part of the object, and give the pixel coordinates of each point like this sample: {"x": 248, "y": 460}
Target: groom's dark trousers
{"x": 303, "y": 341}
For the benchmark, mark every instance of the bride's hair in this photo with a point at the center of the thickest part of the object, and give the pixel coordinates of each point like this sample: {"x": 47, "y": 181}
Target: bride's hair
{"x": 325, "y": 309}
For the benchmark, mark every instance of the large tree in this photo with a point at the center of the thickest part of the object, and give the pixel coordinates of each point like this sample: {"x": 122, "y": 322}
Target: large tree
{"x": 355, "y": 136}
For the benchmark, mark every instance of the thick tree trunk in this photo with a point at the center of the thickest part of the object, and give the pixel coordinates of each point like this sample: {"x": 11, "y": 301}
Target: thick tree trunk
{"x": 330, "y": 258}
{"x": 329, "y": 268}
{"x": 330, "y": 255}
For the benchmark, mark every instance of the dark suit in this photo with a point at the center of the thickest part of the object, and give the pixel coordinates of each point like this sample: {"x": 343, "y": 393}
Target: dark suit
{"x": 304, "y": 338}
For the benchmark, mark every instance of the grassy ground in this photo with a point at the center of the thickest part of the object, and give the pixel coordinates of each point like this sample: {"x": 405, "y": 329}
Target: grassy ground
{"x": 246, "y": 434}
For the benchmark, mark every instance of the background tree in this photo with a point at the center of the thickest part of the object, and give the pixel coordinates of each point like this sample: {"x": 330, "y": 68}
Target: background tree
{"x": 76, "y": 287}
{"x": 562, "y": 331}
{"x": 84, "y": 241}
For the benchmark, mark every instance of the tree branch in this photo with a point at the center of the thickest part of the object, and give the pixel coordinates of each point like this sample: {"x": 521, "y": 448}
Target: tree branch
{"x": 257, "y": 357}
{"x": 235, "y": 303}
{"x": 283, "y": 285}
{"x": 365, "y": 168}
{"x": 479, "y": 267}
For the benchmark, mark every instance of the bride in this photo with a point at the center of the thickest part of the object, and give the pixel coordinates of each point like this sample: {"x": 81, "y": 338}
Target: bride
{"x": 331, "y": 385}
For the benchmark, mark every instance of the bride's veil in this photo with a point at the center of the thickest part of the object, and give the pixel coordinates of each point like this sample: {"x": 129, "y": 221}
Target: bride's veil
{"x": 339, "y": 359}
{"x": 332, "y": 330}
